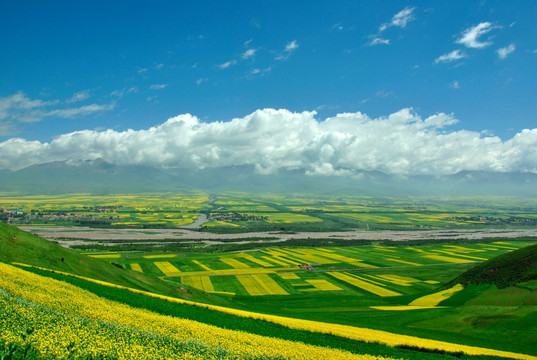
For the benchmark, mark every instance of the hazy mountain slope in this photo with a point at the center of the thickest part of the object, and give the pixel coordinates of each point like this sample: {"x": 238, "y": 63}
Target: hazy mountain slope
{"x": 100, "y": 177}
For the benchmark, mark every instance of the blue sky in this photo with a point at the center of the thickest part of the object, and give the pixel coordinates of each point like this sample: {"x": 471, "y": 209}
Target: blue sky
{"x": 71, "y": 66}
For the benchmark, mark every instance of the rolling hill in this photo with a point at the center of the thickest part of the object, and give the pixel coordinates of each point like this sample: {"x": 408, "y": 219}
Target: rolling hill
{"x": 503, "y": 271}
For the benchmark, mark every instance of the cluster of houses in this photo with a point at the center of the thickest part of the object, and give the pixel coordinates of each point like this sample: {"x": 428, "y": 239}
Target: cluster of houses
{"x": 233, "y": 217}
{"x": 11, "y": 216}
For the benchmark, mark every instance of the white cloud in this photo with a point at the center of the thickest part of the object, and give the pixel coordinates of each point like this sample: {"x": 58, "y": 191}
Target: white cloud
{"x": 454, "y": 85}
{"x": 248, "y": 53}
{"x": 19, "y": 108}
{"x": 293, "y": 45}
{"x": 506, "y": 51}
{"x": 449, "y": 57}
{"x": 470, "y": 37}
{"x": 201, "y": 81}
{"x": 260, "y": 71}
{"x": 158, "y": 86}
{"x": 288, "y": 50}
{"x": 379, "y": 41}
{"x": 82, "y": 110}
{"x": 79, "y": 96}
{"x": 400, "y": 19}
{"x": 401, "y": 143}
{"x": 337, "y": 26}
{"x": 227, "y": 64}
{"x": 124, "y": 91}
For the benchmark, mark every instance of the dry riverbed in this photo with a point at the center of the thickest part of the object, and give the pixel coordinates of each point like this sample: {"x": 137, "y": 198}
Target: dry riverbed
{"x": 68, "y": 236}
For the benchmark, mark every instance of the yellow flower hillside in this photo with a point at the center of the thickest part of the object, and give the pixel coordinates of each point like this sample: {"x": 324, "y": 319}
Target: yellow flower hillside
{"x": 57, "y": 320}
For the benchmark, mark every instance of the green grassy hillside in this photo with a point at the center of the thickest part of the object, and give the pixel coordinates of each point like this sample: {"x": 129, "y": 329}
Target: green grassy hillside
{"x": 503, "y": 271}
{"x": 17, "y": 246}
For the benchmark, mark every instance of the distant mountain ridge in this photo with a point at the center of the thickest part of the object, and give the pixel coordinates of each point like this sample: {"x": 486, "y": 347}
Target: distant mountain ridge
{"x": 100, "y": 177}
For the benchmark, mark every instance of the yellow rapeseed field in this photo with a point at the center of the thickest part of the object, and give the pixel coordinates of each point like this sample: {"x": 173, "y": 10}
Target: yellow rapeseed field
{"x": 234, "y": 263}
{"x": 67, "y": 321}
{"x": 436, "y": 298}
{"x": 136, "y": 267}
{"x": 167, "y": 268}
{"x": 255, "y": 260}
{"x": 363, "y": 284}
{"x": 321, "y": 285}
{"x": 262, "y": 284}
{"x": 160, "y": 256}
{"x": 199, "y": 282}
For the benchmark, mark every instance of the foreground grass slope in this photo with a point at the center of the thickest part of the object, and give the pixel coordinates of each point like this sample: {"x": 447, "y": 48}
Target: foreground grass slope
{"x": 23, "y": 247}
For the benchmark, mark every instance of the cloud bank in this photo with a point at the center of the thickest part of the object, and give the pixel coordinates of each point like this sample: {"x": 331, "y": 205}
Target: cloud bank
{"x": 402, "y": 143}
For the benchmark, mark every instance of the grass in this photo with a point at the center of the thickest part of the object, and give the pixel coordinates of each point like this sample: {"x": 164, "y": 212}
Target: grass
{"x": 506, "y": 270}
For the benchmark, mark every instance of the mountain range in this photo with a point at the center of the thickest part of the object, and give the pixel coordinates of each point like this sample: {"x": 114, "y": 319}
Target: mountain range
{"x": 101, "y": 177}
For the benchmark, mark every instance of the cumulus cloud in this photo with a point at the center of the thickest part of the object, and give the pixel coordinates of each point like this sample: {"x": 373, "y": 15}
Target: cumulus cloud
{"x": 401, "y": 143}
{"x": 470, "y": 37}
{"x": 506, "y": 51}
{"x": 449, "y": 57}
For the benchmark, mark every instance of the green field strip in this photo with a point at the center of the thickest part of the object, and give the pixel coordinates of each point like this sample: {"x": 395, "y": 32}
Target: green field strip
{"x": 505, "y": 247}
{"x": 447, "y": 259}
{"x": 282, "y": 254}
{"x": 364, "y": 285}
{"x": 282, "y": 257}
{"x": 403, "y": 261}
{"x": 247, "y": 271}
{"x": 254, "y": 260}
{"x": 310, "y": 257}
{"x": 234, "y": 263}
{"x": 202, "y": 265}
{"x": 368, "y": 278}
{"x": 462, "y": 249}
{"x": 383, "y": 248}
{"x": 459, "y": 255}
{"x": 276, "y": 261}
